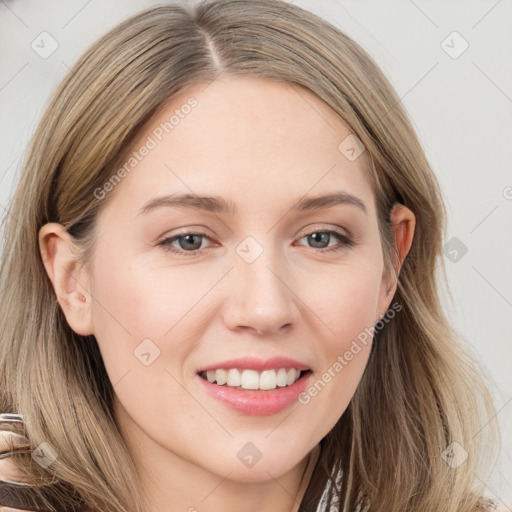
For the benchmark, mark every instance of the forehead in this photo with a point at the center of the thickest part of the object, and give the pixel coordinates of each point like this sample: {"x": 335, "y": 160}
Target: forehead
{"x": 246, "y": 138}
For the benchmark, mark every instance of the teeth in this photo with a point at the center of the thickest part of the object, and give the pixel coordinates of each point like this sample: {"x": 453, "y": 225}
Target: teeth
{"x": 291, "y": 376}
{"x": 268, "y": 379}
{"x": 234, "y": 378}
{"x": 281, "y": 377}
{"x": 221, "y": 377}
{"x": 251, "y": 379}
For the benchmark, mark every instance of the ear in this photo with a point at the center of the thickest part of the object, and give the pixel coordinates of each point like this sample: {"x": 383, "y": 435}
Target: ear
{"x": 70, "y": 282}
{"x": 403, "y": 223}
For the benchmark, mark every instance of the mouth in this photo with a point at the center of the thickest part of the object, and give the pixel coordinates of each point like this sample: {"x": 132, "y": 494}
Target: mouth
{"x": 251, "y": 392}
{"x": 254, "y": 386}
{"x": 252, "y": 379}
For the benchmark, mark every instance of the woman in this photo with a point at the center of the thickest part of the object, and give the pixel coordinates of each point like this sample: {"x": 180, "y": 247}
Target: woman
{"x": 219, "y": 283}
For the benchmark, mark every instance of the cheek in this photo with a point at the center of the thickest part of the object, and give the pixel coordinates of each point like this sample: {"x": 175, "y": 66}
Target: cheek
{"x": 141, "y": 325}
{"x": 345, "y": 301}
{"x": 135, "y": 297}
{"x": 142, "y": 308}
{"x": 348, "y": 314}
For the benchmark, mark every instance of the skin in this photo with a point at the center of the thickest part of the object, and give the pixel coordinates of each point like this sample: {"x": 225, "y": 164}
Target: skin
{"x": 259, "y": 144}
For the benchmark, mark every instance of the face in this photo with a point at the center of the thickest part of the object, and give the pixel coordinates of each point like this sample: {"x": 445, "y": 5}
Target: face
{"x": 268, "y": 285}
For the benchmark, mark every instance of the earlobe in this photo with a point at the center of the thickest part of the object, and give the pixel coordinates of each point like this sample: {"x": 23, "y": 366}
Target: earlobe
{"x": 69, "y": 282}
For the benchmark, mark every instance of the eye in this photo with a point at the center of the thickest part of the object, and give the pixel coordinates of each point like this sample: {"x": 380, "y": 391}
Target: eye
{"x": 189, "y": 243}
{"x": 320, "y": 238}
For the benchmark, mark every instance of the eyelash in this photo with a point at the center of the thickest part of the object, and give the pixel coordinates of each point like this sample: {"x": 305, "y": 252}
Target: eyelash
{"x": 345, "y": 242}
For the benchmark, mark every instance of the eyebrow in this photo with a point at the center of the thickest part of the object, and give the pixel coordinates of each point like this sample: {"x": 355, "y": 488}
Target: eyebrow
{"x": 217, "y": 204}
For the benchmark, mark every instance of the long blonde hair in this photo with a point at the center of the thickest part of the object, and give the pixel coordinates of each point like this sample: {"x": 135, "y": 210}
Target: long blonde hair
{"x": 421, "y": 390}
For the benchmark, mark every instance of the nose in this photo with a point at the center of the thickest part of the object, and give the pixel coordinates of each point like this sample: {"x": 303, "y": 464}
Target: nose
{"x": 261, "y": 296}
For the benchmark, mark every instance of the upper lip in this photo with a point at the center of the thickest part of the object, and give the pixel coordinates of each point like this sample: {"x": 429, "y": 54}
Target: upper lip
{"x": 252, "y": 363}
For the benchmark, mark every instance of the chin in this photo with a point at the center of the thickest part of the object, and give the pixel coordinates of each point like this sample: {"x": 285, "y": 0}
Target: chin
{"x": 256, "y": 470}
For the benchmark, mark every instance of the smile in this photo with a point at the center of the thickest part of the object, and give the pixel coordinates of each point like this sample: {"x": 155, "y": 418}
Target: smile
{"x": 254, "y": 386}
{"x": 252, "y": 379}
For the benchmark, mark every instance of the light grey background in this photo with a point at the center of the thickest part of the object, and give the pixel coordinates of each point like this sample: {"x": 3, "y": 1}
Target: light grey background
{"x": 461, "y": 106}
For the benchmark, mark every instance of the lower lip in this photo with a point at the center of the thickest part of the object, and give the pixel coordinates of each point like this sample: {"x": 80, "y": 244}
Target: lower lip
{"x": 257, "y": 402}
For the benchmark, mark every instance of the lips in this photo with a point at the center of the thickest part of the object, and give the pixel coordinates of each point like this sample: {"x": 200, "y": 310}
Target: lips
{"x": 255, "y": 386}
{"x": 252, "y": 363}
